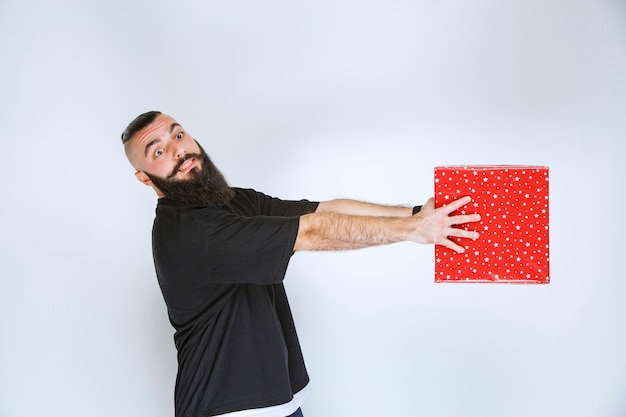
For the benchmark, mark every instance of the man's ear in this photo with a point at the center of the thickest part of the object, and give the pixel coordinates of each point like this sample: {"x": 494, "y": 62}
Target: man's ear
{"x": 143, "y": 178}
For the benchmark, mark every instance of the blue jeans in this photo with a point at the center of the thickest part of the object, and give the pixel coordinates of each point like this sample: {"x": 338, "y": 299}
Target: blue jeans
{"x": 298, "y": 413}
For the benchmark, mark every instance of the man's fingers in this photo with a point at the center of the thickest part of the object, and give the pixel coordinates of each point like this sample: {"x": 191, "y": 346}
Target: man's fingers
{"x": 451, "y": 245}
{"x": 460, "y": 219}
{"x": 445, "y": 223}
{"x": 468, "y": 234}
{"x": 456, "y": 204}
{"x": 466, "y": 218}
{"x": 454, "y": 232}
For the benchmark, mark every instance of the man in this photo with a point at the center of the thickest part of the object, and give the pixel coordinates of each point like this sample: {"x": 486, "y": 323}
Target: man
{"x": 221, "y": 254}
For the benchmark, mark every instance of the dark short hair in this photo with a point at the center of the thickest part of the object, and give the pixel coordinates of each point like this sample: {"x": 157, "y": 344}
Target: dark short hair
{"x": 139, "y": 123}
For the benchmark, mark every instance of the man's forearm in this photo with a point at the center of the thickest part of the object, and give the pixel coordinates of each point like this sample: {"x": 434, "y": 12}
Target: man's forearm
{"x": 359, "y": 208}
{"x": 328, "y": 231}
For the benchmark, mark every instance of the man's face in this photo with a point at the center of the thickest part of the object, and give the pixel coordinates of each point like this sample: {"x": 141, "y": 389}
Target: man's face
{"x": 169, "y": 160}
{"x": 160, "y": 149}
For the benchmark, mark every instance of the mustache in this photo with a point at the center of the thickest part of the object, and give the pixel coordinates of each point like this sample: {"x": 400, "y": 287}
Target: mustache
{"x": 182, "y": 161}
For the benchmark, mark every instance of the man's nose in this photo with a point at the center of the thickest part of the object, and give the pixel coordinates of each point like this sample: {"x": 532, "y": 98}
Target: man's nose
{"x": 179, "y": 152}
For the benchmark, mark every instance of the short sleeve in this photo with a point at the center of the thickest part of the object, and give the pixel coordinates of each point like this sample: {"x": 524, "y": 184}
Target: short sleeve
{"x": 199, "y": 246}
{"x": 252, "y": 202}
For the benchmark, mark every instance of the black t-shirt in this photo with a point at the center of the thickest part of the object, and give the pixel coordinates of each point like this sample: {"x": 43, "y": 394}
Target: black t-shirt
{"x": 220, "y": 271}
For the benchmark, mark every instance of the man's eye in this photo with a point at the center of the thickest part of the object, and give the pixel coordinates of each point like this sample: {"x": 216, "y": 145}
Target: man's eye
{"x": 158, "y": 152}
{"x": 179, "y": 135}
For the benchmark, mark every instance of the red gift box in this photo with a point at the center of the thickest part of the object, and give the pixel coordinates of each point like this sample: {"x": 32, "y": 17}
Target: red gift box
{"x": 512, "y": 201}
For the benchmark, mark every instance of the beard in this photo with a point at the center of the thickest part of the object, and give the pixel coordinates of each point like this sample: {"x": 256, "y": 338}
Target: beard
{"x": 206, "y": 185}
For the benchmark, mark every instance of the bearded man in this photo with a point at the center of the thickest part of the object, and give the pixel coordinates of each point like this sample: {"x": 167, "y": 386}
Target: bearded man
{"x": 221, "y": 254}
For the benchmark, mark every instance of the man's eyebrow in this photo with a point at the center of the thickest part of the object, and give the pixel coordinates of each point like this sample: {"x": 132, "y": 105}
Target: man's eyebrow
{"x": 173, "y": 126}
{"x": 148, "y": 145}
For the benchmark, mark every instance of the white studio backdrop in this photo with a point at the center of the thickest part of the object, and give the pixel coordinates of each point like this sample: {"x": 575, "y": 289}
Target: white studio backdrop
{"x": 315, "y": 99}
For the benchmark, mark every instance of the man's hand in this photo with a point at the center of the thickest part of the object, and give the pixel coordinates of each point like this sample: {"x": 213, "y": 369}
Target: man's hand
{"x": 436, "y": 224}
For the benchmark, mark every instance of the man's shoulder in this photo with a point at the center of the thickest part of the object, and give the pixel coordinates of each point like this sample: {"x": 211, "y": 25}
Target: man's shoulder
{"x": 175, "y": 210}
{"x": 245, "y": 202}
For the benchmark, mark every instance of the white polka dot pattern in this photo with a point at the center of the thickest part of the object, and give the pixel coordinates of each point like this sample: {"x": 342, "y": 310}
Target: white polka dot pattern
{"x": 513, "y": 244}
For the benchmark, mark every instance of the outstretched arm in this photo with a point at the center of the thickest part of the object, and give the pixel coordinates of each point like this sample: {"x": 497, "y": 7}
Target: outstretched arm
{"x": 360, "y": 208}
{"x": 326, "y": 230}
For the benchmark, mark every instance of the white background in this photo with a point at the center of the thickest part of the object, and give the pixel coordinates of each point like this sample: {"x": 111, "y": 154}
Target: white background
{"x": 315, "y": 99}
